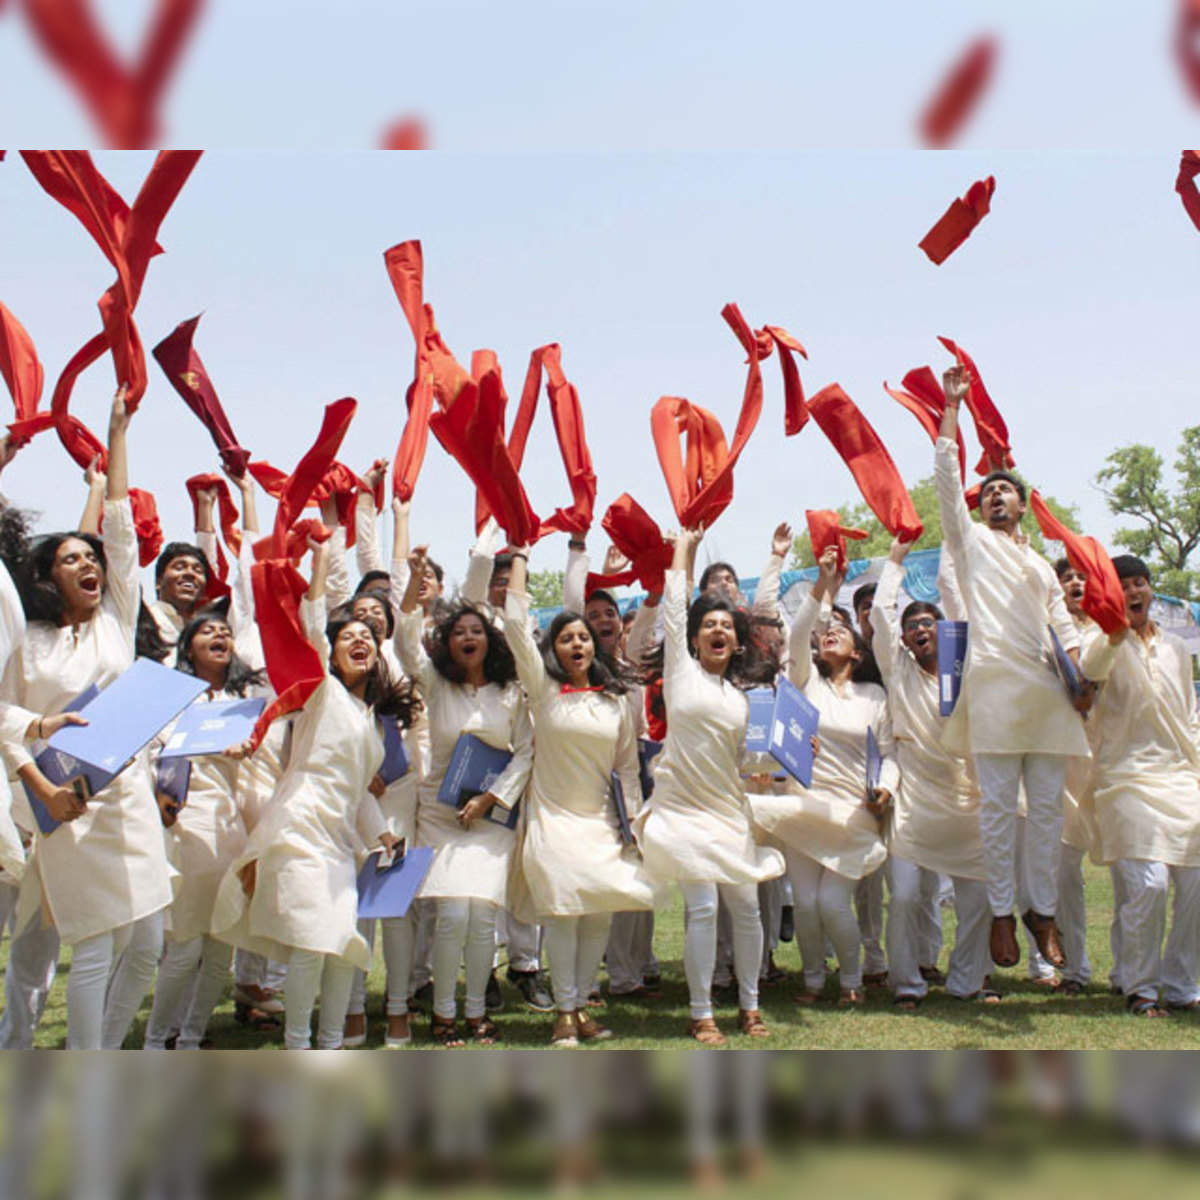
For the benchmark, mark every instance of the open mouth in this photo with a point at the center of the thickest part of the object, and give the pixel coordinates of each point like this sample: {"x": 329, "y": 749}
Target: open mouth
{"x": 89, "y": 585}
{"x": 923, "y": 641}
{"x": 187, "y": 587}
{"x": 468, "y": 649}
{"x": 360, "y": 656}
{"x": 219, "y": 649}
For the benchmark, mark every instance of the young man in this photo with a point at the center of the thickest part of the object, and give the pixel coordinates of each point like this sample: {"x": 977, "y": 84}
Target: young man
{"x": 1013, "y": 716}
{"x": 1147, "y": 798}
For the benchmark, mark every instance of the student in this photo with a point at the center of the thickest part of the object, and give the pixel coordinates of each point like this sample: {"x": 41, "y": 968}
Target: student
{"x": 832, "y": 832}
{"x": 469, "y": 685}
{"x": 1147, "y": 796}
{"x": 1013, "y": 716}
{"x": 935, "y": 825}
{"x": 577, "y": 869}
{"x": 697, "y": 828}
{"x": 292, "y": 892}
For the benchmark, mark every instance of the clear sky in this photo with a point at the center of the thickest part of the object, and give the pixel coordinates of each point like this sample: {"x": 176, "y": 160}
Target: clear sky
{"x": 1077, "y": 296}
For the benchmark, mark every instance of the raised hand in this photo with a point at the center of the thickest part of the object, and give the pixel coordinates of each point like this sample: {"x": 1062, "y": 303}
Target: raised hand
{"x": 956, "y": 382}
{"x": 781, "y": 540}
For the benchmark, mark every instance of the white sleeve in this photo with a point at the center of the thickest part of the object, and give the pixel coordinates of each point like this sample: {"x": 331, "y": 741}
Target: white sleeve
{"x": 575, "y": 580}
{"x": 337, "y": 582}
{"x": 885, "y": 620}
{"x": 766, "y": 595}
{"x": 800, "y": 640}
{"x": 410, "y": 648}
{"x": 949, "y": 589}
{"x": 956, "y": 519}
{"x": 512, "y": 780}
{"x": 366, "y": 536}
{"x": 641, "y": 632}
{"x": 531, "y": 670}
{"x": 121, "y": 552}
{"x": 674, "y": 606}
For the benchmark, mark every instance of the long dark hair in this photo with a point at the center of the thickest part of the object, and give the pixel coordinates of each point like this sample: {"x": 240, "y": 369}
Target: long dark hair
{"x": 14, "y": 537}
{"x": 383, "y": 694}
{"x": 39, "y": 593}
{"x": 499, "y": 666}
{"x": 239, "y": 675}
{"x": 865, "y": 669}
{"x": 148, "y": 641}
{"x": 749, "y": 666}
{"x": 605, "y": 672}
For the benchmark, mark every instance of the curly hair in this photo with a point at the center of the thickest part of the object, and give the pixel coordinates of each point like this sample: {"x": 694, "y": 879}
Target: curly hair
{"x": 39, "y": 593}
{"x": 499, "y": 666}
{"x": 14, "y": 536}
{"x": 239, "y": 675}
{"x": 749, "y": 667}
{"x": 383, "y": 694}
{"x": 605, "y": 672}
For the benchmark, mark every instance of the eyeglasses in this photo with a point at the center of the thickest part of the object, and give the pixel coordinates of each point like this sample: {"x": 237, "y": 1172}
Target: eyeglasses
{"x": 919, "y": 623}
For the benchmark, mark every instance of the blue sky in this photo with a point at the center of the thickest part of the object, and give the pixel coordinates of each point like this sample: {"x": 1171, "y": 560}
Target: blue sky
{"x": 1077, "y": 297}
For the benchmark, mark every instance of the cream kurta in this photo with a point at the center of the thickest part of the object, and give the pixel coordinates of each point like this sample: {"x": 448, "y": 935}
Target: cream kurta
{"x": 1146, "y": 796}
{"x": 935, "y": 822}
{"x": 1012, "y": 700}
{"x": 573, "y": 859}
{"x": 14, "y": 722}
{"x": 1079, "y": 819}
{"x": 829, "y": 821}
{"x": 471, "y": 862}
{"x": 208, "y": 834}
{"x": 107, "y": 867}
{"x": 697, "y": 825}
{"x": 308, "y": 841}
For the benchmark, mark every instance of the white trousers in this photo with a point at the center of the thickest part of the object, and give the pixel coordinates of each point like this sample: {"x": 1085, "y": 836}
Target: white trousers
{"x": 770, "y": 909}
{"x": 310, "y": 972}
{"x": 700, "y": 942}
{"x": 399, "y": 934}
{"x": 1072, "y": 915}
{"x": 1000, "y": 776}
{"x": 929, "y": 919}
{"x": 971, "y": 958}
{"x": 256, "y": 970}
{"x": 1145, "y": 967}
{"x": 424, "y": 912}
{"x": 1114, "y": 928}
{"x": 868, "y": 907}
{"x": 823, "y": 902}
{"x": 575, "y": 946}
{"x": 191, "y": 979}
{"x": 32, "y": 963}
{"x": 522, "y": 941}
{"x": 93, "y": 962}
{"x": 132, "y": 978}
{"x": 629, "y": 953}
{"x": 910, "y": 887}
{"x": 463, "y": 928}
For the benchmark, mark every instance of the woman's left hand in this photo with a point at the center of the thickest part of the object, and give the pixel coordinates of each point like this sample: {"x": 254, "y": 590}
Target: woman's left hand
{"x": 240, "y": 751}
{"x": 879, "y": 805}
{"x": 392, "y": 844}
{"x": 475, "y": 808}
{"x": 377, "y": 787}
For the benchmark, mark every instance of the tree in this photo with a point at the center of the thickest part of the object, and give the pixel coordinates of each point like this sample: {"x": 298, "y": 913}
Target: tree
{"x": 924, "y": 498}
{"x": 545, "y": 589}
{"x": 1132, "y": 482}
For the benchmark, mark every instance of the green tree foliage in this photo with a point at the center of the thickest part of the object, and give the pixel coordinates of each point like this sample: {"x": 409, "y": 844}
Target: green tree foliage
{"x": 1132, "y": 480}
{"x": 924, "y": 498}
{"x": 545, "y": 589}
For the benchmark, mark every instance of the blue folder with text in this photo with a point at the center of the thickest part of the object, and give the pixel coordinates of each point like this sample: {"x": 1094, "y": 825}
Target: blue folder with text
{"x": 173, "y": 777}
{"x": 647, "y": 751}
{"x": 792, "y": 729}
{"x": 395, "y": 757}
{"x": 211, "y": 728}
{"x": 1068, "y": 672}
{"x": 387, "y": 887}
{"x": 617, "y": 791}
{"x": 874, "y": 763}
{"x": 758, "y": 727}
{"x": 59, "y": 768}
{"x": 951, "y": 654}
{"x": 474, "y": 767}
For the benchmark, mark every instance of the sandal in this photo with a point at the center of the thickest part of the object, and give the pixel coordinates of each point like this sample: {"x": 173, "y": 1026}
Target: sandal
{"x": 985, "y": 995}
{"x": 588, "y": 1028}
{"x": 851, "y": 998}
{"x": 444, "y": 1031}
{"x": 807, "y": 998}
{"x": 257, "y": 1019}
{"x": 1143, "y": 1006}
{"x": 483, "y": 1031}
{"x": 565, "y": 1034}
{"x": 906, "y": 1002}
{"x": 705, "y": 1032}
{"x": 750, "y": 1023}
{"x": 354, "y": 1035}
{"x": 1070, "y": 987}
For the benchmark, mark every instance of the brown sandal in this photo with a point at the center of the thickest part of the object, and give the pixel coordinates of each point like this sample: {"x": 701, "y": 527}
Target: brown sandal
{"x": 750, "y": 1023}
{"x": 807, "y": 998}
{"x": 444, "y": 1031}
{"x": 705, "y": 1032}
{"x": 483, "y": 1031}
{"x": 851, "y": 998}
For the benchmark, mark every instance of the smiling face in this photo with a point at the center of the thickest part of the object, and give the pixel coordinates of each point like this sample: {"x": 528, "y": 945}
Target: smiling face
{"x": 919, "y": 634}
{"x": 837, "y": 645}
{"x": 354, "y": 652}
{"x": 721, "y": 582}
{"x": 183, "y": 582}
{"x": 1138, "y": 595}
{"x": 716, "y": 641}
{"x": 79, "y": 577}
{"x": 370, "y": 611}
{"x": 468, "y": 642}
{"x": 1073, "y": 585}
{"x": 211, "y": 649}
{"x": 1001, "y": 505}
{"x": 430, "y": 589}
{"x": 605, "y": 619}
{"x": 575, "y": 651}
{"x": 498, "y": 587}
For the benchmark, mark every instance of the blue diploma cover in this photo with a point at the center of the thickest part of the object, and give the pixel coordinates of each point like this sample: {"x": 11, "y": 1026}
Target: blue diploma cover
{"x": 951, "y": 654}
{"x": 474, "y": 767}
{"x": 792, "y": 728}
{"x": 647, "y": 751}
{"x": 387, "y": 889}
{"x": 395, "y": 758}
{"x": 212, "y": 728}
{"x": 1068, "y": 672}
{"x": 762, "y": 713}
{"x": 617, "y": 791}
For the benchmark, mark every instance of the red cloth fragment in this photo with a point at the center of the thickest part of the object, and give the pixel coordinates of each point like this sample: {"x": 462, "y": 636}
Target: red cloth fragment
{"x": 24, "y": 375}
{"x": 825, "y": 529}
{"x": 989, "y": 424}
{"x": 1189, "y": 168}
{"x": 407, "y": 133}
{"x": 871, "y": 465}
{"x": 922, "y": 395}
{"x": 954, "y": 226}
{"x": 1103, "y": 596}
{"x": 123, "y": 100}
{"x": 146, "y": 523}
{"x": 1187, "y": 45}
{"x": 795, "y": 413}
{"x": 958, "y": 93}
{"x": 701, "y": 484}
{"x": 637, "y": 536}
{"x": 295, "y": 546}
{"x": 183, "y": 367}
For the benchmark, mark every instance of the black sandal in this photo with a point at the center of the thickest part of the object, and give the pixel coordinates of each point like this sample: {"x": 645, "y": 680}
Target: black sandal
{"x": 444, "y": 1031}
{"x": 483, "y": 1031}
{"x": 1143, "y": 1006}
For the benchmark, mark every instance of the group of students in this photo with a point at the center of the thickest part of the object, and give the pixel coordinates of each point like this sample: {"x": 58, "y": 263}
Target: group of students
{"x": 995, "y": 805}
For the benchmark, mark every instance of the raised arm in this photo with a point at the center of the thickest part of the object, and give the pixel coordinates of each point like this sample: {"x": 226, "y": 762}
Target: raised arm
{"x": 530, "y": 667}
{"x": 678, "y": 592}
{"x": 479, "y": 565}
{"x": 956, "y": 520}
{"x": 800, "y": 639}
{"x": 93, "y": 507}
{"x": 766, "y": 595}
{"x": 410, "y": 626}
{"x": 117, "y": 487}
{"x": 366, "y": 539}
{"x": 885, "y": 620}
{"x": 575, "y": 576}
{"x": 123, "y": 594}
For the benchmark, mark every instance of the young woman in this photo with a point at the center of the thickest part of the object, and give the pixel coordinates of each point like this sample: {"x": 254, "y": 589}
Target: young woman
{"x": 291, "y": 893}
{"x": 832, "y": 833}
{"x": 578, "y": 870}
{"x": 696, "y": 828}
{"x": 104, "y": 868}
{"x": 204, "y": 837}
{"x": 468, "y": 685}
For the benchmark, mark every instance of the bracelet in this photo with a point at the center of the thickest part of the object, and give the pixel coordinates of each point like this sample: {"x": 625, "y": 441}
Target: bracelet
{"x": 518, "y": 554}
{"x": 576, "y": 544}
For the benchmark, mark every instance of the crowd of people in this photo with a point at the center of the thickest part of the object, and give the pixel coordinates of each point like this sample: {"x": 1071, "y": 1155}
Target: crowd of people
{"x": 254, "y": 872}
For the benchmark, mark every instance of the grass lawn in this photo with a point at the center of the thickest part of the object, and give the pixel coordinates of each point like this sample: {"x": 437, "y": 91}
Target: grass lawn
{"x": 1029, "y": 1016}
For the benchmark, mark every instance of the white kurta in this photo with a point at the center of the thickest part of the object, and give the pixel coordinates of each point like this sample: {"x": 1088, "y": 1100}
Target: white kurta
{"x": 472, "y": 862}
{"x": 697, "y": 825}
{"x": 935, "y": 821}
{"x": 308, "y": 841}
{"x": 14, "y": 721}
{"x": 1012, "y": 700}
{"x": 1146, "y": 794}
{"x": 829, "y": 821}
{"x": 1079, "y": 818}
{"x": 107, "y": 867}
{"x": 573, "y": 859}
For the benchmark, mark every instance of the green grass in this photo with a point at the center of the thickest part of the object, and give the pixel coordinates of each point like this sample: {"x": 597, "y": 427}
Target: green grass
{"x": 1029, "y": 1016}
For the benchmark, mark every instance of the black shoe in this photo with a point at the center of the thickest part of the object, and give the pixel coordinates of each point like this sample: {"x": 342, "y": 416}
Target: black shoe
{"x": 421, "y": 1001}
{"x": 533, "y": 989}
{"x": 787, "y": 923}
{"x": 652, "y": 981}
{"x": 492, "y": 998}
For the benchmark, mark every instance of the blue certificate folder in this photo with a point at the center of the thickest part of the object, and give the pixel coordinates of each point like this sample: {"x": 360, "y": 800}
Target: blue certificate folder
{"x": 617, "y": 791}
{"x": 762, "y": 712}
{"x": 212, "y": 728}
{"x": 951, "y": 654}
{"x": 173, "y": 777}
{"x": 474, "y": 767}
{"x": 1067, "y": 670}
{"x": 792, "y": 728}
{"x": 56, "y": 766}
{"x": 647, "y": 751}
{"x": 388, "y": 891}
{"x": 874, "y": 763}
{"x": 395, "y": 758}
